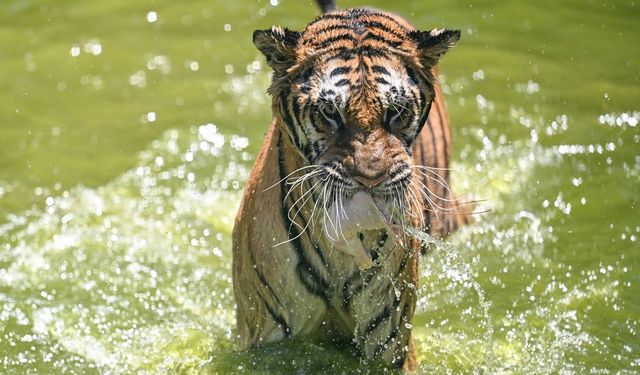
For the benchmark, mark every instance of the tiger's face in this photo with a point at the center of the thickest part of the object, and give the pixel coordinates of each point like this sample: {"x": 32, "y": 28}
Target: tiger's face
{"x": 352, "y": 92}
{"x": 359, "y": 118}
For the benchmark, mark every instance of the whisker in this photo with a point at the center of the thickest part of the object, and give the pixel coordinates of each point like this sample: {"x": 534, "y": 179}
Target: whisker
{"x": 424, "y": 186}
{"x": 290, "y": 174}
{"x": 456, "y": 202}
{"x": 428, "y": 194}
{"x": 441, "y": 180}
{"x": 308, "y": 194}
{"x": 324, "y": 203}
{"x": 439, "y": 168}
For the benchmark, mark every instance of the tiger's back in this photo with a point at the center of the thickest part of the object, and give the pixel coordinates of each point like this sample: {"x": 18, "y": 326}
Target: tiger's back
{"x": 387, "y": 135}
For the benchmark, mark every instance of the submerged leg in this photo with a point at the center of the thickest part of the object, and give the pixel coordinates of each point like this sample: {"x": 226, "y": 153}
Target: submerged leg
{"x": 383, "y": 315}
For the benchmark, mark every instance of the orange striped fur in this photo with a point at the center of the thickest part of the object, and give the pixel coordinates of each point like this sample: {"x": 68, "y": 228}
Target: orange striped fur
{"x": 355, "y": 108}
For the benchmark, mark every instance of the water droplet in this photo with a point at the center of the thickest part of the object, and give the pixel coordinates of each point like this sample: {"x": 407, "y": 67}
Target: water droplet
{"x": 75, "y": 51}
{"x": 93, "y": 47}
{"x": 478, "y": 75}
{"x": 138, "y": 79}
{"x": 194, "y": 66}
{"x": 152, "y": 17}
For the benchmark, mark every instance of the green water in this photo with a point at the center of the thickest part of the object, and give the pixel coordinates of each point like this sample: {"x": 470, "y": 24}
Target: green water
{"x": 126, "y": 137}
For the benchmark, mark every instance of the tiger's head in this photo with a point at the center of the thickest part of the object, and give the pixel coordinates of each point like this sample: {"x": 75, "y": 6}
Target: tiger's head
{"x": 351, "y": 92}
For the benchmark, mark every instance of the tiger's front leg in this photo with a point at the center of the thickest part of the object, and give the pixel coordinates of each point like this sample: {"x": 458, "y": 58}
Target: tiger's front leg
{"x": 271, "y": 303}
{"x": 383, "y": 315}
{"x": 278, "y": 284}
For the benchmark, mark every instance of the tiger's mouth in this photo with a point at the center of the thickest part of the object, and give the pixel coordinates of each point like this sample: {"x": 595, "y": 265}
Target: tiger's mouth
{"x": 359, "y": 214}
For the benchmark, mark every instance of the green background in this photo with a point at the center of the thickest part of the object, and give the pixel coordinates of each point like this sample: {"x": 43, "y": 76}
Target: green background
{"x": 115, "y": 229}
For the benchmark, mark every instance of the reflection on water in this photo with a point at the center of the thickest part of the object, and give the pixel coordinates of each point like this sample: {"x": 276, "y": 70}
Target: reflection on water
{"x": 113, "y": 263}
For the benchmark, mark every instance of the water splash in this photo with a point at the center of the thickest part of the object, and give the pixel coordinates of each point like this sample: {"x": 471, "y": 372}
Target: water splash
{"x": 445, "y": 262}
{"x": 133, "y": 275}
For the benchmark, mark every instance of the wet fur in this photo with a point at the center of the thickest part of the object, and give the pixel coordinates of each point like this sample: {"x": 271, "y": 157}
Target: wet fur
{"x": 288, "y": 280}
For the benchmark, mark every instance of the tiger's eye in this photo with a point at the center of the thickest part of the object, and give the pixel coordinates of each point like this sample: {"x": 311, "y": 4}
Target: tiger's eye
{"x": 397, "y": 117}
{"x": 329, "y": 110}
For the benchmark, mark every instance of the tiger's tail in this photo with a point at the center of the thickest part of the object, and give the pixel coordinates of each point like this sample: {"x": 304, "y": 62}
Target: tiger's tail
{"x": 326, "y": 5}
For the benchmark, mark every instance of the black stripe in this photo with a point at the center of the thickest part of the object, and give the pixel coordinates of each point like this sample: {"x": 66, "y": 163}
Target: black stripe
{"x": 316, "y": 118}
{"x": 340, "y": 26}
{"x": 288, "y": 121}
{"x": 343, "y": 82}
{"x": 317, "y": 249}
{"x": 304, "y": 80}
{"x": 433, "y": 142}
{"x": 380, "y": 69}
{"x": 381, "y": 26}
{"x": 443, "y": 192}
{"x": 444, "y": 138}
{"x": 263, "y": 279}
{"x": 402, "y": 265}
{"x": 339, "y": 70}
{"x": 313, "y": 282}
{"x": 426, "y": 108}
{"x": 389, "y": 18}
{"x": 373, "y": 324}
{"x": 370, "y": 51}
{"x": 382, "y": 39}
{"x": 326, "y": 92}
{"x": 383, "y": 346}
{"x": 295, "y": 108}
{"x": 332, "y": 16}
{"x": 427, "y": 212}
{"x": 306, "y": 74}
{"x": 340, "y": 53}
{"x": 398, "y": 362}
{"x": 278, "y": 319}
{"x": 412, "y": 76}
{"x": 310, "y": 278}
{"x": 329, "y": 41}
{"x": 355, "y": 14}
{"x": 382, "y": 81}
{"x": 315, "y": 146}
{"x": 384, "y": 315}
{"x": 347, "y": 295}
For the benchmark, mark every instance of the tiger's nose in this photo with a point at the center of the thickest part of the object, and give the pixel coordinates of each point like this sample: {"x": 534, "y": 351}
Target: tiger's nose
{"x": 370, "y": 181}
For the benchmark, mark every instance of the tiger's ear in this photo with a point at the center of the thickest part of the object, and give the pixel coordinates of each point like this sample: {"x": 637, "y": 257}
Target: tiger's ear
{"x": 279, "y": 47}
{"x": 433, "y": 44}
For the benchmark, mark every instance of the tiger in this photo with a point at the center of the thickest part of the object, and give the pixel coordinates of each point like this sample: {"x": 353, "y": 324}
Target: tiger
{"x": 357, "y": 154}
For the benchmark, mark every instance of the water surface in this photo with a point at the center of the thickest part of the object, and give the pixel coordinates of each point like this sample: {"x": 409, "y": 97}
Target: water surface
{"x": 127, "y": 131}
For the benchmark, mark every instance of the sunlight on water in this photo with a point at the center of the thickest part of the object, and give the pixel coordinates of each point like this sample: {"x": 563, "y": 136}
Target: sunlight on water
{"x": 446, "y": 280}
{"x": 113, "y": 265}
{"x": 131, "y": 275}
{"x": 135, "y": 275}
